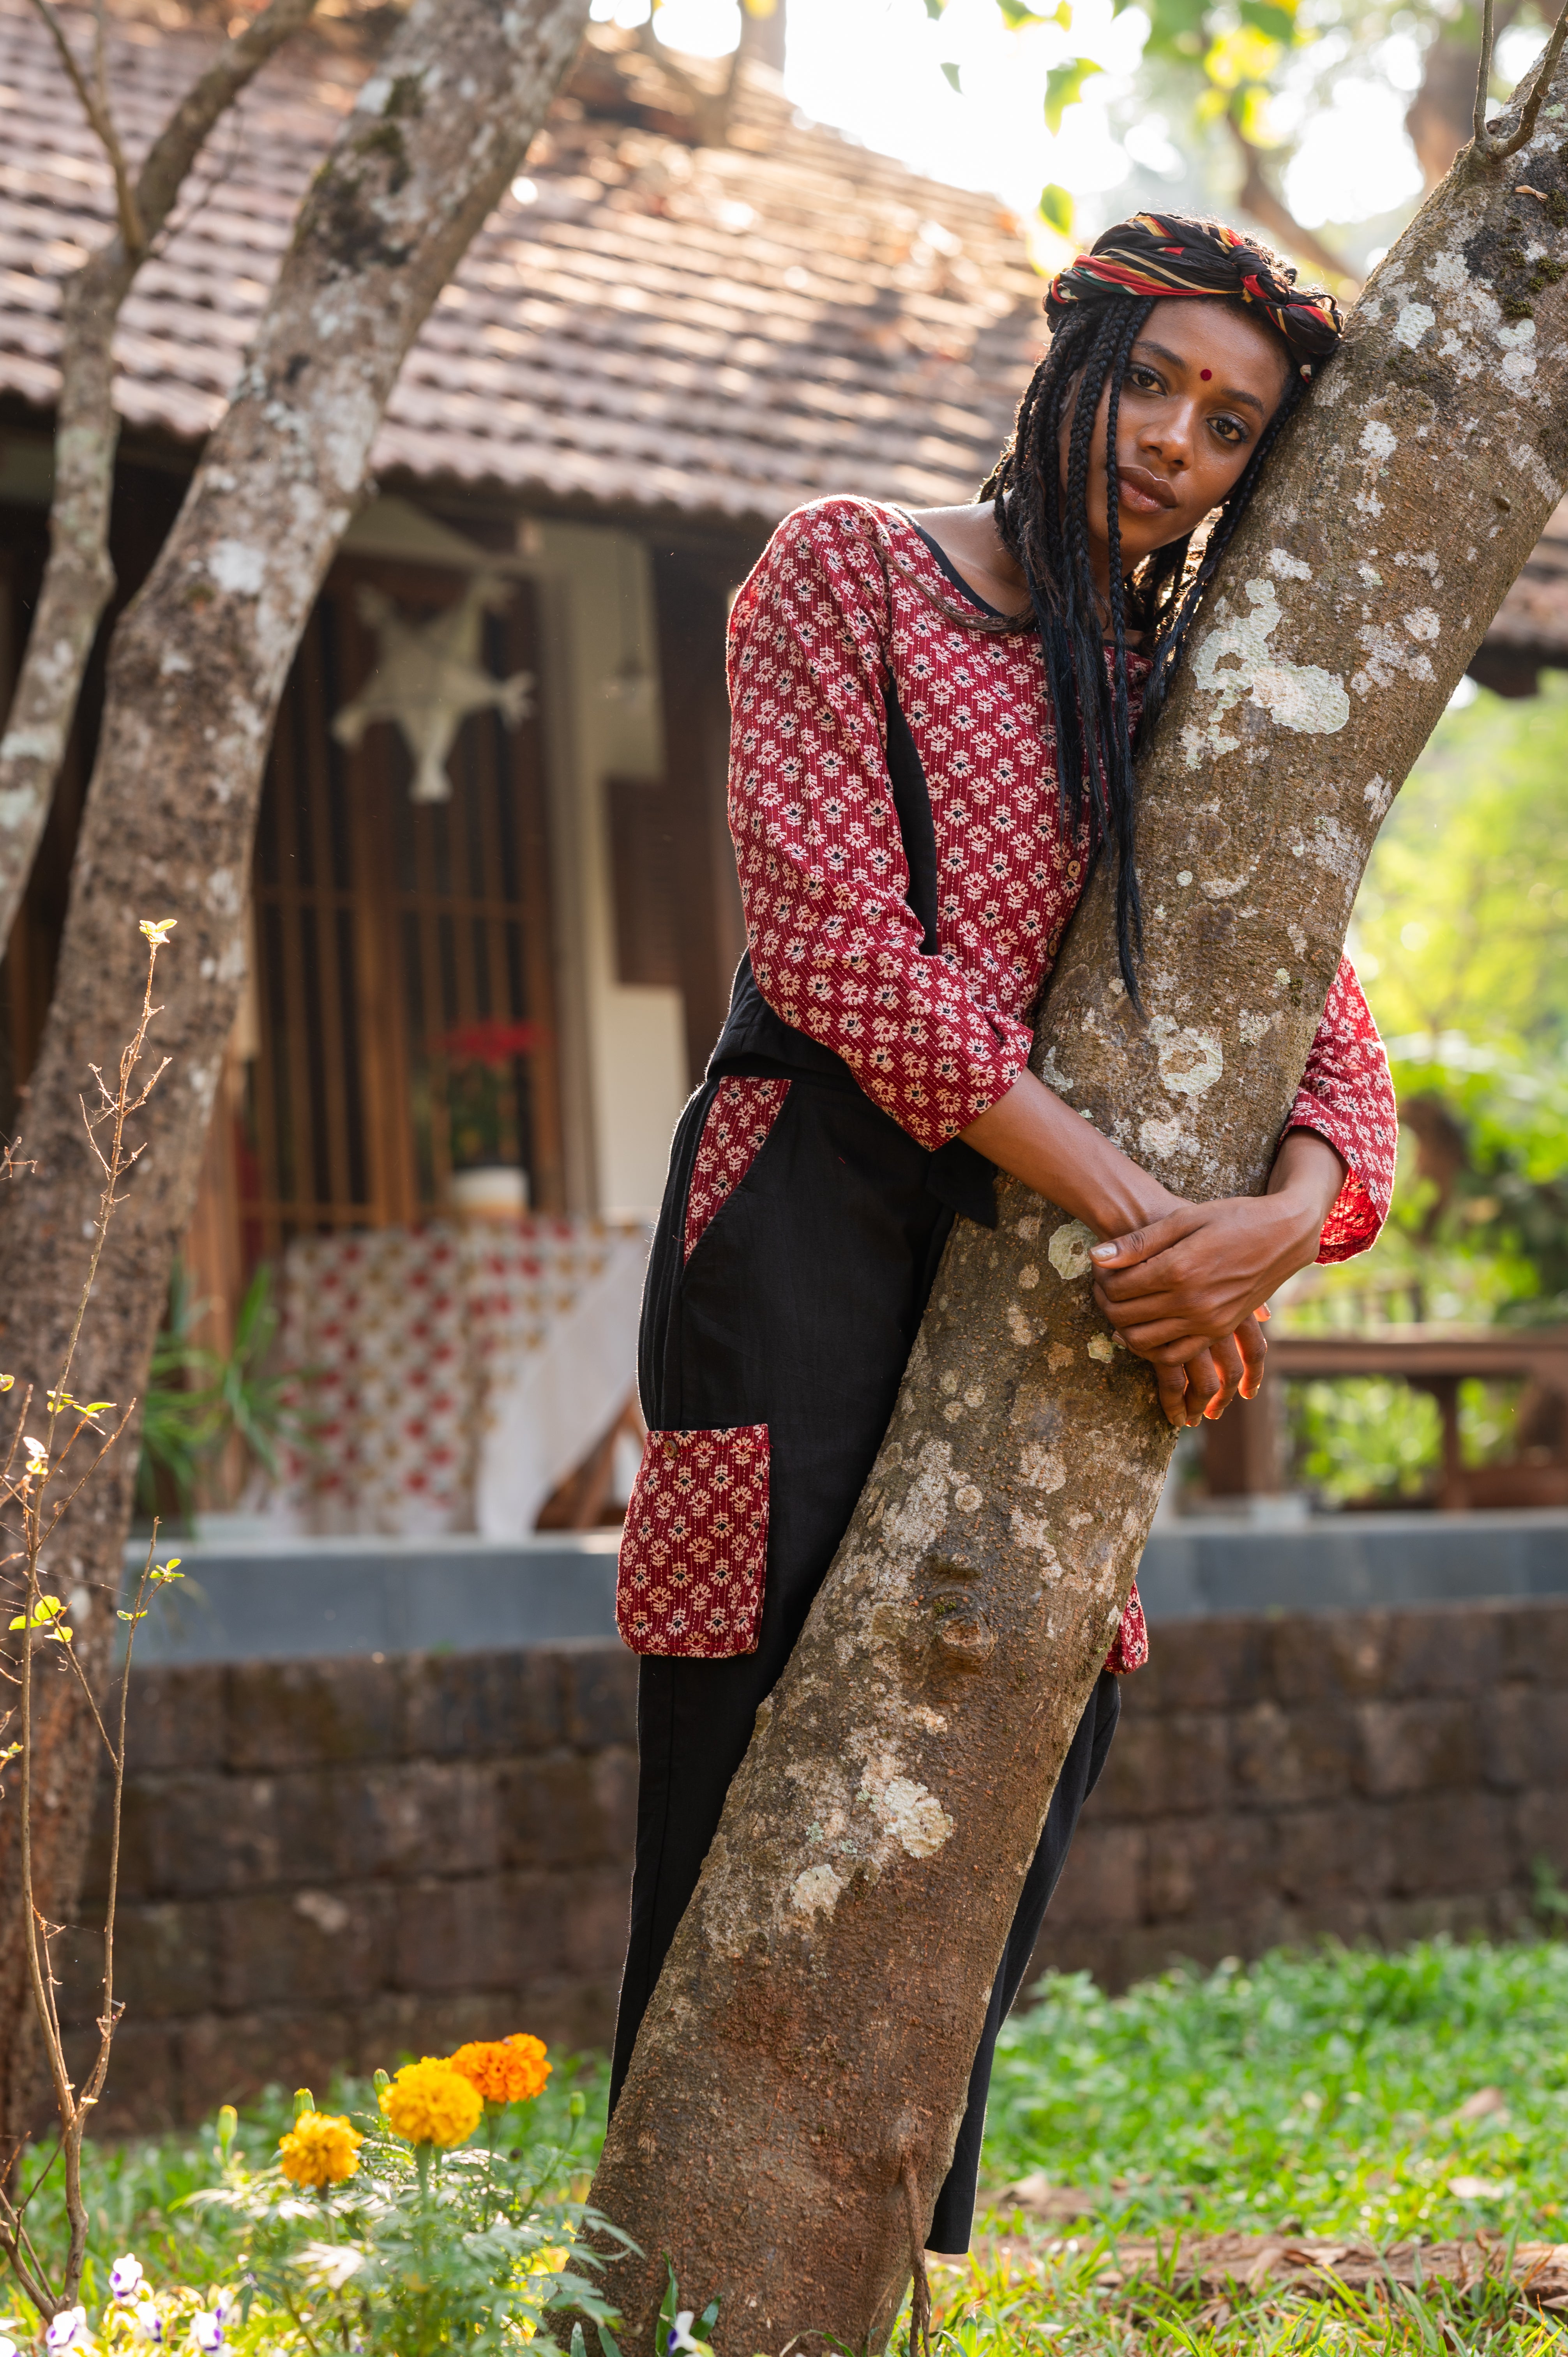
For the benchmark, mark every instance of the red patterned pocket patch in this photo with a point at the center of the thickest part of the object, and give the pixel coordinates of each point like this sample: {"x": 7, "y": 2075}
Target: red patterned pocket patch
{"x": 693, "y": 1554}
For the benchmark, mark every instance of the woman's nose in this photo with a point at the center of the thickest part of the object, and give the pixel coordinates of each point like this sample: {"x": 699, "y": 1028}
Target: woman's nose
{"x": 1170, "y": 436}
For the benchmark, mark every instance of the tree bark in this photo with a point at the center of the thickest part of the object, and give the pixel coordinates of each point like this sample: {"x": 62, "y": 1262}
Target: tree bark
{"x": 196, "y": 670}
{"x": 814, "y": 2024}
{"x": 79, "y": 578}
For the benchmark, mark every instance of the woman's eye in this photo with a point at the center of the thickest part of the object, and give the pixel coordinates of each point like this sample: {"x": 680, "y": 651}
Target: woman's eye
{"x": 1229, "y": 429}
{"x": 1144, "y": 378}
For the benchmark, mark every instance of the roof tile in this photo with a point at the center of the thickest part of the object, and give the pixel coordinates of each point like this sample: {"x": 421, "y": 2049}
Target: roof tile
{"x": 731, "y": 329}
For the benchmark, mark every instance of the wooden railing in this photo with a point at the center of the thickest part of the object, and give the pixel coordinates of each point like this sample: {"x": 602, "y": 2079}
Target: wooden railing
{"x": 1242, "y": 1452}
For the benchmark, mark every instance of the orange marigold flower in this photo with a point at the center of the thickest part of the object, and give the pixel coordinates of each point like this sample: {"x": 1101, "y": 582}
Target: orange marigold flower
{"x": 320, "y": 2149}
{"x": 504, "y": 2070}
{"x": 430, "y": 2103}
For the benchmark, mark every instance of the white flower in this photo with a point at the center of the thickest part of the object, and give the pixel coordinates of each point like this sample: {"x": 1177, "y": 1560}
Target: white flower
{"x": 8, "y": 2348}
{"x": 225, "y": 2304}
{"x": 125, "y": 2277}
{"x": 149, "y": 2323}
{"x": 69, "y": 2331}
{"x": 681, "y": 2339}
{"x": 207, "y": 2329}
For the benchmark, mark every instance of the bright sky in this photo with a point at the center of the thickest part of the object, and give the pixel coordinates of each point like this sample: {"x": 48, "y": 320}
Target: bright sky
{"x": 874, "y": 68}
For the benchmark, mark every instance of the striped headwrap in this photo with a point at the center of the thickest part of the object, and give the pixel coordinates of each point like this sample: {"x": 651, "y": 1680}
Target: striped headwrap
{"x": 1158, "y": 255}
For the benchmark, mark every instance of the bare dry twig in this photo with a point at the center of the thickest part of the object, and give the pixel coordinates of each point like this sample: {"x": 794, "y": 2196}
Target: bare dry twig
{"x": 31, "y": 1466}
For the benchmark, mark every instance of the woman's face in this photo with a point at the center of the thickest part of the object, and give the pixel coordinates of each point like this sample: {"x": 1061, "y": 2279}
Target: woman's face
{"x": 1201, "y": 385}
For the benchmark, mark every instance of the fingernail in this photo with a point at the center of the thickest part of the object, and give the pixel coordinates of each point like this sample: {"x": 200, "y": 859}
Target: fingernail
{"x": 1101, "y": 1252}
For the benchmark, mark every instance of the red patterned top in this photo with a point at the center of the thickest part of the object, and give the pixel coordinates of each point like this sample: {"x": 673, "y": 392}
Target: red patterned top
{"x": 818, "y": 630}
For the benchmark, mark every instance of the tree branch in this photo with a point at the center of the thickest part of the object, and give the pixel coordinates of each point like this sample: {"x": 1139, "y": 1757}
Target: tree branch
{"x": 1257, "y": 197}
{"x": 1496, "y": 148}
{"x": 95, "y": 106}
{"x": 710, "y": 109}
{"x": 78, "y": 579}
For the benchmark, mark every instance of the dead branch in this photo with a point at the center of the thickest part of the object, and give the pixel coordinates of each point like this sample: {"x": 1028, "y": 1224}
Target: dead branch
{"x": 40, "y": 1623}
{"x": 1256, "y": 196}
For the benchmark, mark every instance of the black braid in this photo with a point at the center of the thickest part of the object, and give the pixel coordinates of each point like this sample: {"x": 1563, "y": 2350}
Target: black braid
{"x": 1123, "y": 806}
{"x": 1172, "y": 639}
{"x": 1045, "y": 524}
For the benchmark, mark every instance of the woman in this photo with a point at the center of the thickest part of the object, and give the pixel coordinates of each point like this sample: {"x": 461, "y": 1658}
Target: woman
{"x": 933, "y": 735}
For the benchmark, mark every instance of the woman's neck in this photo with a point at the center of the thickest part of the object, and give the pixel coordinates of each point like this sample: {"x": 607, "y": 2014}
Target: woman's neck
{"x": 972, "y": 545}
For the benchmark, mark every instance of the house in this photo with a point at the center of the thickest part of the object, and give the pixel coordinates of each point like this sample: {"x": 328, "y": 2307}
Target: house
{"x": 498, "y": 925}
{"x": 493, "y": 915}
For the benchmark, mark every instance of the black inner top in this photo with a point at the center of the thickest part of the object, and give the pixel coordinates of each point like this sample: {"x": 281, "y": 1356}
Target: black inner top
{"x": 951, "y": 569}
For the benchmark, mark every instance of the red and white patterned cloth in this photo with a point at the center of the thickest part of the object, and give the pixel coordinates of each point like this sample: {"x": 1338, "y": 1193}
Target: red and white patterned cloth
{"x": 735, "y": 1131}
{"x": 456, "y": 1374}
{"x": 693, "y": 1554}
{"x": 836, "y": 950}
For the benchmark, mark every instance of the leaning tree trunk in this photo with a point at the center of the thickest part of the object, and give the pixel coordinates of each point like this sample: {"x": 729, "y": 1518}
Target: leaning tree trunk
{"x": 811, "y": 2033}
{"x": 196, "y": 668}
{"x": 79, "y": 578}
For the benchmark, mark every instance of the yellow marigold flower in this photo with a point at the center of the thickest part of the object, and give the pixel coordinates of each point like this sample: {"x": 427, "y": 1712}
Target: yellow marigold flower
{"x": 320, "y": 2150}
{"x": 504, "y": 2070}
{"x": 429, "y": 2102}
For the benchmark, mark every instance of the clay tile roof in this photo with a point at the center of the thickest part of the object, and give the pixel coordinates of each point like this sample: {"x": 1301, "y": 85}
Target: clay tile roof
{"x": 1533, "y": 624}
{"x": 650, "y": 322}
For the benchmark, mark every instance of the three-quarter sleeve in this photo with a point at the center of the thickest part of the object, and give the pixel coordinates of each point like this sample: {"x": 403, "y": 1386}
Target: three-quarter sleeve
{"x": 835, "y": 948}
{"x": 1346, "y": 1095}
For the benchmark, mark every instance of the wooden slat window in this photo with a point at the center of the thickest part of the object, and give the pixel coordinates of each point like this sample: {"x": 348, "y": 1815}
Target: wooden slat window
{"x": 382, "y": 926}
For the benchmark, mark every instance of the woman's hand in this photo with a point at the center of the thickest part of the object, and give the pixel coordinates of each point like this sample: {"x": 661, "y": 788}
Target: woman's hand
{"x": 1183, "y": 1290}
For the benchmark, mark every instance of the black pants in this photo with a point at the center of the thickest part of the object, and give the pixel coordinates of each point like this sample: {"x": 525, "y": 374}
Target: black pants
{"x": 797, "y": 1309}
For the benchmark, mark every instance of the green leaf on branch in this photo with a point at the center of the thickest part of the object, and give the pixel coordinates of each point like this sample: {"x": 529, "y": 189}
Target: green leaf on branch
{"x": 1267, "y": 16}
{"x": 46, "y": 1615}
{"x": 1056, "y": 210}
{"x": 1064, "y": 88}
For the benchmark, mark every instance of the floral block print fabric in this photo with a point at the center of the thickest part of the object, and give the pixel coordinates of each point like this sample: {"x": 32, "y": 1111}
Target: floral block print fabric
{"x": 1347, "y": 1096}
{"x": 693, "y": 1554}
{"x": 847, "y": 598}
{"x": 435, "y": 1354}
{"x": 734, "y": 1135}
{"x": 1130, "y": 1649}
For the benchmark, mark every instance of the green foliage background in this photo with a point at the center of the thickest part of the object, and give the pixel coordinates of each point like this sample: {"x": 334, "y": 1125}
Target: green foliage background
{"x": 1460, "y": 937}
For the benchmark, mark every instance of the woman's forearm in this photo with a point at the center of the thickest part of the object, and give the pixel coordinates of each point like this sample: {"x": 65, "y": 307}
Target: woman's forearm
{"x": 1031, "y": 1133}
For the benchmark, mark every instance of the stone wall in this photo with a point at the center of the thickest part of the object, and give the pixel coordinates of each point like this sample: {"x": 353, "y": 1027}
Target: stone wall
{"x": 335, "y": 1862}
{"x": 1365, "y": 1776}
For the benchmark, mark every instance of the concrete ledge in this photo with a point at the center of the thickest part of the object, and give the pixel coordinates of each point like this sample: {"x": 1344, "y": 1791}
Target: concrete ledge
{"x": 286, "y": 1599}
{"x": 1339, "y": 1563}
{"x": 289, "y": 1599}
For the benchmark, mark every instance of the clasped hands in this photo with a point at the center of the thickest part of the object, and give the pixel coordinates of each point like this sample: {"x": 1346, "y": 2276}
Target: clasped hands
{"x": 1187, "y": 1289}
{"x": 1185, "y": 1285}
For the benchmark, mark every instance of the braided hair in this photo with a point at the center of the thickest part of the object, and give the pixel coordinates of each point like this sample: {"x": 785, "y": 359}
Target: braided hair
{"x": 1097, "y": 310}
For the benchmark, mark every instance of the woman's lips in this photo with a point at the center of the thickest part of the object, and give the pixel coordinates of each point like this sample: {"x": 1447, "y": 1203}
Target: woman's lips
{"x": 1145, "y": 494}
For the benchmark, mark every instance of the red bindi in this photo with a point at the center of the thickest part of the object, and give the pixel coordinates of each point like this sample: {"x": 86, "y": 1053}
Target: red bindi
{"x": 1205, "y": 374}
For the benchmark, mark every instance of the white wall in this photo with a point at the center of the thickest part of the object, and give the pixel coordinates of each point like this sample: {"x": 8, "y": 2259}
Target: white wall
{"x": 604, "y": 716}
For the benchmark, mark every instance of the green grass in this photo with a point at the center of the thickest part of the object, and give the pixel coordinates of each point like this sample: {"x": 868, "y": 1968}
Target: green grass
{"x": 994, "y": 2309}
{"x": 1315, "y": 2093}
{"x": 1310, "y": 2094}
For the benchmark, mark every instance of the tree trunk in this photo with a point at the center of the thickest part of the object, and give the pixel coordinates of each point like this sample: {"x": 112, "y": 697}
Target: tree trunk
{"x": 78, "y": 579}
{"x": 196, "y": 667}
{"x": 813, "y": 2027}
